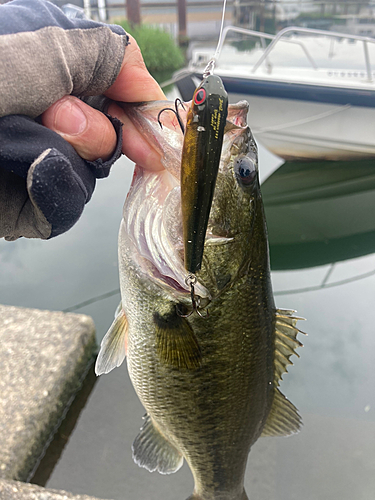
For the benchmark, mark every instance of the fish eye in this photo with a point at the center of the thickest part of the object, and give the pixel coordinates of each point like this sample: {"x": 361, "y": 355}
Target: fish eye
{"x": 245, "y": 170}
{"x": 200, "y": 97}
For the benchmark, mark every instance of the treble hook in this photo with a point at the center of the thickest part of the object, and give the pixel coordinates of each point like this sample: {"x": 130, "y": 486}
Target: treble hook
{"x": 190, "y": 281}
{"x": 175, "y": 111}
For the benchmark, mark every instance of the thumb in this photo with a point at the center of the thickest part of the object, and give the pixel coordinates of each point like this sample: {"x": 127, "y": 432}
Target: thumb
{"x": 88, "y": 130}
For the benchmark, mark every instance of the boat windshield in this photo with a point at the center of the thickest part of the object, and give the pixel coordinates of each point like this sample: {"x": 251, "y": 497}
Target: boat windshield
{"x": 311, "y": 51}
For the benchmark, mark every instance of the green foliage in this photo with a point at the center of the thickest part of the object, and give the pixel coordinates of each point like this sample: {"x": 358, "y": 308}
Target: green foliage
{"x": 160, "y": 53}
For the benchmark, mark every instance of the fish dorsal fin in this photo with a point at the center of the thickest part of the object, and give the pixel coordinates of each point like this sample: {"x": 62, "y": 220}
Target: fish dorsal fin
{"x": 154, "y": 452}
{"x": 113, "y": 346}
{"x": 283, "y": 419}
{"x": 176, "y": 342}
{"x": 285, "y": 342}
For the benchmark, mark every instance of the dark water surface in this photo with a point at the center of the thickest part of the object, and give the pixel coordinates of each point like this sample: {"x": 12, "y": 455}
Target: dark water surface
{"x": 322, "y": 235}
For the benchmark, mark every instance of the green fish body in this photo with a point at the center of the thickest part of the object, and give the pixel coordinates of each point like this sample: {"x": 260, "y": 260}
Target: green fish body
{"x": 209, "y": 385}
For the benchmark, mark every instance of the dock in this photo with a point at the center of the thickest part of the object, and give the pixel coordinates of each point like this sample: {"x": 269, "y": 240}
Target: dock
{"x": 44, "y": 357}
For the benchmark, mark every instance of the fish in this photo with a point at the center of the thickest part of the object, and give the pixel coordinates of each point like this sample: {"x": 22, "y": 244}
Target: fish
{"x": 209, "y": 385}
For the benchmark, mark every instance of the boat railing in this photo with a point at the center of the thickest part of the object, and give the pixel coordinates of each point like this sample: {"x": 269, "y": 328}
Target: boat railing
{"x": 282, "y": 37}
{"x": 263, "y": 36}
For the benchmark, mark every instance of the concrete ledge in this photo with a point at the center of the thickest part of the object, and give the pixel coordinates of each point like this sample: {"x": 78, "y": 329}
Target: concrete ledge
{"x": 14, "y": 490}
{"x": 43, "y": 356}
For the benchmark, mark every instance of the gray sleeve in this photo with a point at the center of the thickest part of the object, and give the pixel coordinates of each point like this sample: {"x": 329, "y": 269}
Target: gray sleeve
{"x": 38, "y": 67}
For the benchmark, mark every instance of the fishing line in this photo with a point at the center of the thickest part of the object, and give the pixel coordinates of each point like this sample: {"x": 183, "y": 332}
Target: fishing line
{"x": 221, "y": 30}
{"x": 98, "y": 298}
{"x": 209, "y": 69}
{"x": 326, "y": 285}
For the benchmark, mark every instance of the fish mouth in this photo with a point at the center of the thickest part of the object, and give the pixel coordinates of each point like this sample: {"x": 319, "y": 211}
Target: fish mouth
{"x": 153, "y": 225}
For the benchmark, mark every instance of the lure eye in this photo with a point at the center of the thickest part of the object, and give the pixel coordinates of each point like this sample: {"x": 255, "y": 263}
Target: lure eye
{"x": 200, "y": 97}
{"x": 245, "y": 169}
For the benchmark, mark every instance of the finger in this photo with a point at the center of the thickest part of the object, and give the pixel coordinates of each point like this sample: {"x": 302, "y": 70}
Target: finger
{"x": 134, "y": 83}
{"x": 134, "y": 144}
{"x": 86, "y": 129}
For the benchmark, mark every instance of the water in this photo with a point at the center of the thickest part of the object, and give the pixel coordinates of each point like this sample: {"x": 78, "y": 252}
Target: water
{"x": 323, "y": 252}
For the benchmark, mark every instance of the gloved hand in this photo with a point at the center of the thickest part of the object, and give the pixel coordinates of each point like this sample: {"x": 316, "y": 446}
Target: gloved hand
{"x": 44, "y": 56}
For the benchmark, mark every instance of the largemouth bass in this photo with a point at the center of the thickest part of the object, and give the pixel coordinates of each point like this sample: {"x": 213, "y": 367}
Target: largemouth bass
{"x": 209, "y": 386}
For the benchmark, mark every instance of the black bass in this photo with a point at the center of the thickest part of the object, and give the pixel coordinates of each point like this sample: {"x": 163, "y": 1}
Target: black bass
{"x": 209, "y": 386}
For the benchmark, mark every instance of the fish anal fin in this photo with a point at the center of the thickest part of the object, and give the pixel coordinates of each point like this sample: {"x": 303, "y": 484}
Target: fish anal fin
{"x": 283, "y": 419}
{"x": 176, "y": 342}
{"x": 286, "y": 341}
{"x": 114, "y": 345}
{"x": 152, "y": 451}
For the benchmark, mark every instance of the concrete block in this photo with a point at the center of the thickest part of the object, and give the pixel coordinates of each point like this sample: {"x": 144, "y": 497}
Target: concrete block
{"x": 43, "y": 357}
{"x": 14, "y": 490}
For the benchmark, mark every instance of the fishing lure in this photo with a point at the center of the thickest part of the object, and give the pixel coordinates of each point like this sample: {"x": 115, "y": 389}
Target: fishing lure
{"x": 200, "y": 162}
{"x": 203, "y": 140}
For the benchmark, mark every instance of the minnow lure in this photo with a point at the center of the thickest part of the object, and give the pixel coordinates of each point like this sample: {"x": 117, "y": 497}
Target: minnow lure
{"x": 200, "y": 162}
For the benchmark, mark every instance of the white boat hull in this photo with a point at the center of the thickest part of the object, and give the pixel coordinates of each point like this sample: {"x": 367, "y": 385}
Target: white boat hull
{"x": 296, "y": 129}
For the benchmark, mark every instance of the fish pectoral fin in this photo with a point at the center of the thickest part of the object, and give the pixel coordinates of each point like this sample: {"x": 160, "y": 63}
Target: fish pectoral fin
{"x": 283, "y": 419}
{"x": 113, "y": 346}
{"x": 176, "y": 342}
{"x": 154, "y": 452}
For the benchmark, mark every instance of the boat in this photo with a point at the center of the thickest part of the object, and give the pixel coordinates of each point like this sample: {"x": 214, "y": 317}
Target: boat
{"x": 311, "y": 92}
